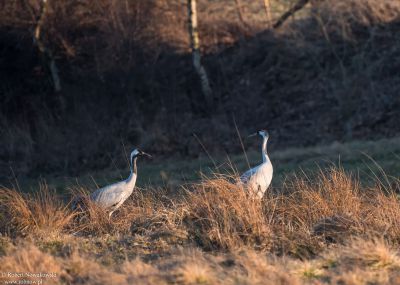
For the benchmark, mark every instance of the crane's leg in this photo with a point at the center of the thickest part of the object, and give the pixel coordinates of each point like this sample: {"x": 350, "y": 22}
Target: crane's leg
{"x": 259, "y": 192}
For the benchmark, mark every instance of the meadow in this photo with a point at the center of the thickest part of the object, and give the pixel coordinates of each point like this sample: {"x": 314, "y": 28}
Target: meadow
{"x": 331, "y": 217}
{"x": 84, "y": 82}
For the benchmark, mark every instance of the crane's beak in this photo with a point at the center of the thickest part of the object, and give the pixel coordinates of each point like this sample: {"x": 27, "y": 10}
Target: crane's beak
{"x": 146, "y": 154}
{"x": 252, "y": 135}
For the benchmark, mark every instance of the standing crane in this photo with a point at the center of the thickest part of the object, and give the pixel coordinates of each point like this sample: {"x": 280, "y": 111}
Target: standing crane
{"x": 259, "y": 178}
{"x": 111, "y": 197}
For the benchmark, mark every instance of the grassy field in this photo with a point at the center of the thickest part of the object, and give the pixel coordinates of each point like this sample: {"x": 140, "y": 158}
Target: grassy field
{"x": 331, "y": 219}
{"x": 368, "y": 158}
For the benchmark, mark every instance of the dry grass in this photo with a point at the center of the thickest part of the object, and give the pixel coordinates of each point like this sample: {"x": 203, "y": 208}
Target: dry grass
{"x": 40, "y": 213}
{"x": 358, "y": 262}
{"x": 328, "y": 228}
{"x": 29, "y": 259}
{"x": 316, "y": 207}
{"x": 217, "y": 214}
{"x": 222, "y": 215}
{"x": 90, "y": 217}
{"x": 195, "y": 268}
{"x": 375, "y": 253}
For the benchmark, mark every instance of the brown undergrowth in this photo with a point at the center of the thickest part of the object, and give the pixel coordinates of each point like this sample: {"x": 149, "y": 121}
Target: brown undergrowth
{"x": 320, "y": 73}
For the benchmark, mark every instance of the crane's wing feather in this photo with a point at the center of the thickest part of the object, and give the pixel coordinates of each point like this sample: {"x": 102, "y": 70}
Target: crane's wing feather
{"x": 109, "y": 195}
{"x": 248, "y": 174}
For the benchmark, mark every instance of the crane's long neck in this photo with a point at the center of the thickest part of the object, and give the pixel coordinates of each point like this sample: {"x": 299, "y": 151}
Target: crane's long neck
{"x": 264, "y": 153}
{"x": 133, "y": 175}
{"x": 134, "y": 166}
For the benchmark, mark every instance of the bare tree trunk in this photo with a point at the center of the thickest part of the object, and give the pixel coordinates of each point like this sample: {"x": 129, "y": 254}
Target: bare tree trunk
{"x": 45, "y": 51}
{"x": 195, "y": 45}
{"x": 267, "y": 6}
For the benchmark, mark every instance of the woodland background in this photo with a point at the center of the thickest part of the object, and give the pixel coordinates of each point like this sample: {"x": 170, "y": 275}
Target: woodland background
{"x": 328, "y": 73}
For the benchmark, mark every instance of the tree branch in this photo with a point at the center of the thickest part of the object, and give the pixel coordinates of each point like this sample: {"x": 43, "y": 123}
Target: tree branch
{"x": 298, "y": 6}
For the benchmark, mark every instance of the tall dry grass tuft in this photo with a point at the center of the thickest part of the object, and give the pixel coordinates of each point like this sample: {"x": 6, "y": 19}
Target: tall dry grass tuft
{"x": 299, "y": 219}
{"x": 90, "y": 218}
{"x": 382, "y": 214}
{"x": 331, "y": 192}
{"x": 159, "y": 216}
{"x": 310, "y": 211}
{"x": 222, "y": 215}
{"x": 332, "y": 207}
{"x": 40, "y": 213}
{"x": 145, "y": 212}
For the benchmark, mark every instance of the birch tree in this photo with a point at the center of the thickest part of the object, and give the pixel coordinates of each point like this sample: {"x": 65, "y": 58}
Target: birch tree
{"x": 196, "y": 56}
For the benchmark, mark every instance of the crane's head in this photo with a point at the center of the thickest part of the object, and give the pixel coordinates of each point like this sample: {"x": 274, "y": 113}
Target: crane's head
{"x": 137, "y": 152}
{"x": 263, "y": 133}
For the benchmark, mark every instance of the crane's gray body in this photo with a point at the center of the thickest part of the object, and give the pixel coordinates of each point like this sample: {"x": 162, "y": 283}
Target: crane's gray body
{"x": 259, "y": 178}
{"x": 111, "y": 197}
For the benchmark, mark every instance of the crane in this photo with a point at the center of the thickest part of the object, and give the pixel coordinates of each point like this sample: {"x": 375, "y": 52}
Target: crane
{"x": 259, "y": 178}
{"x": 111, "y": 197}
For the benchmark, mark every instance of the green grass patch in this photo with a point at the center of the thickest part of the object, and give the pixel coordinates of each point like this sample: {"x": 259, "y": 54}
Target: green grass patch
{"x": 368, "y": 159}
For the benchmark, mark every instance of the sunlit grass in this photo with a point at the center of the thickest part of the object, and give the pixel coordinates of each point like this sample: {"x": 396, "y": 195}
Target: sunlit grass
{"x": 318, "y": 227}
